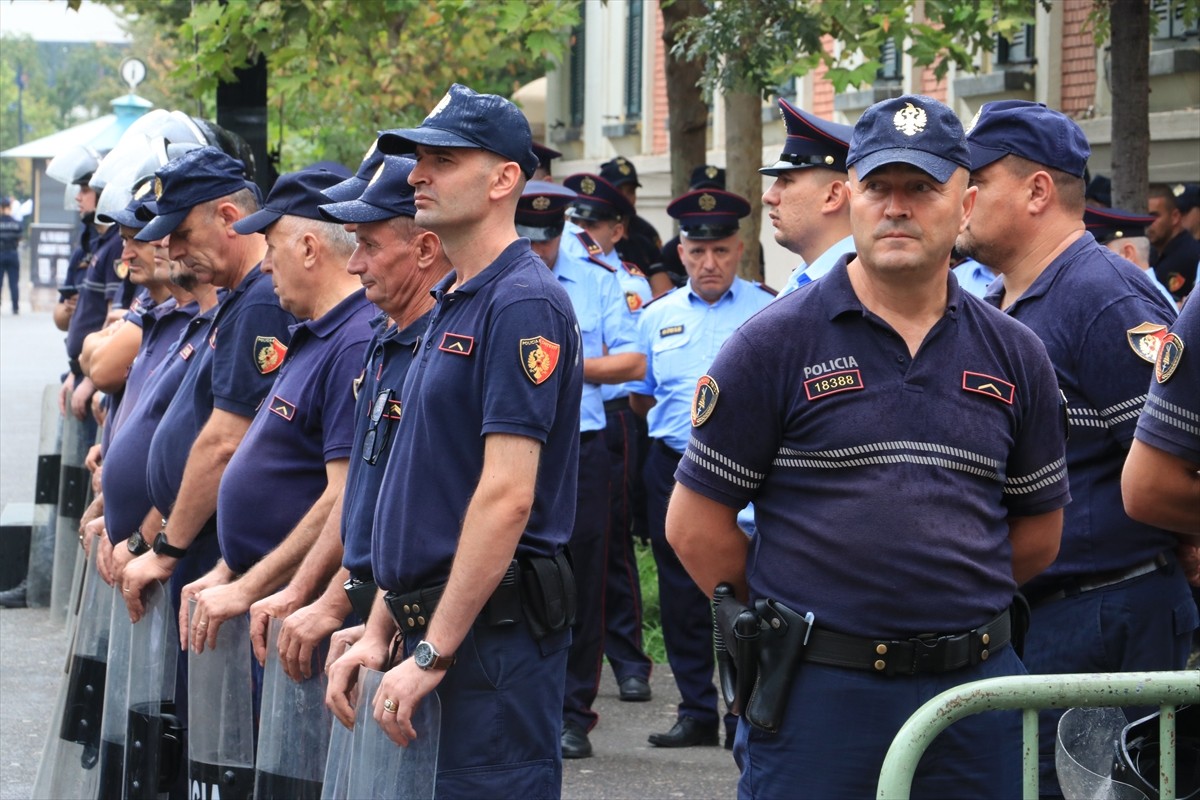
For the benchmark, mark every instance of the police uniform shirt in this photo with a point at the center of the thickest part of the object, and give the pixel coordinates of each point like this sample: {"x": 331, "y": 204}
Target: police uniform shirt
{"x": 681, "y": 336}
{"x": 10, "y": 234}
{"x": 278, "y": 471}
{"x": 99, "y": 285}
{"x": 807, "y": 273}
{"x": 974, "y": 277}
{"x": 1086, "y": 307}
{"x": 846, "y": 444}
{"x": 78, "y": 263}
{"x": 234, "y": 370}
{"x": 501, "y": 355}
{"x": 376, "y": 412}
{"x": 126, "y": 490}
{"x": 1169, "y": 420}
{"x": 1175, "y": 266}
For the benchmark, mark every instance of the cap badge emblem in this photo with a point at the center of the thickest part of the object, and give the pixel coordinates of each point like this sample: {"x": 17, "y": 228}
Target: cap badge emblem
{"x": 440, "y": 107}
{"x": 711, "y": 171}
{"x": 541, "y": 203}
{"x": 707, "y": 202}
{"x": 142, "y": 191}
{"x": 624, "y": 168}
{"x": 587, "y": 186}
{"x": 158, "y": 188}
{"x": 910, "y": 120}
{"x": 375, "y": 177}
{"x": 974, "y": 121}
{"x": 1178, "y": 189}
{"x": 829, "y": 159}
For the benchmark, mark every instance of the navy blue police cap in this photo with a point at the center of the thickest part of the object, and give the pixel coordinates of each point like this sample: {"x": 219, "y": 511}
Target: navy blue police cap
{"x": 465, "y": 118}
{"x": 388, "y": 195}
{"x": 619, "y": 171}
{"x": 127, "y": 217}
{"x": 707, "y": 176}
{"x": 1107, "y": 224}
{"x": 708, "y": 214}
{"x": 1187, "y": 196}
{"x": 1028, "y": 130}
{"x": 545, "y": 155}
{"x": 1099, "y": 189}
{"x": 811, "y": 142}
{"x": 180, "y": 185}
{"x": 912, "y": 129}
{"x": 598, "y": 199}
{"x": 295, "y": 194}
{"x": 541, "y": 210}
{"x": 352, "y": 187}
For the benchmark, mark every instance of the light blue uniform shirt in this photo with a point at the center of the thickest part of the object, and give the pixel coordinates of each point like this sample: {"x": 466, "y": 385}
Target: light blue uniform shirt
{"x": 681, "y": 335}
{"x": 605, "y": 324}
{"x": 807, "y": 273}
{"x": 974, "y": 277}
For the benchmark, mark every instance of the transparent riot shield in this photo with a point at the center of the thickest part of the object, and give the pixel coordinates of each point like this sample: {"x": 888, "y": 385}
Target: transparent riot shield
{"x": 116, "y": 700}
{"x": 1087, "y": 746}
{"x": 70, "y": 761}
{"x": 293, "y": 735}
{"x": 154, "y": 738}
{"x": 379, "y": 768}
{"x": 336, "y": 784}
{"x": 221, "y": 715}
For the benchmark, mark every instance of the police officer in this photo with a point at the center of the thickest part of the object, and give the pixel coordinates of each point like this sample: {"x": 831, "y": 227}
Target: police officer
{"x": 641, "y": 244}
{"x": 397, "y": 263}
{"x": 808, "y": 201}
{"x": 671, "y": 273}
{"x": 1101, "y": 323}
{"x": 1176, "y": 251}
{"x": 1187, "y": 200}
{"x": 11, "y": 233}
{"x": 610, "y": 356}
{"x": 546, "y": 156}
{"x": 297, "y": 448}
{"x": 1124, "y": 233}
{"x": 490, "y": 413}
{"x": 904, "y": 457}
{"x": 680, "y": 333}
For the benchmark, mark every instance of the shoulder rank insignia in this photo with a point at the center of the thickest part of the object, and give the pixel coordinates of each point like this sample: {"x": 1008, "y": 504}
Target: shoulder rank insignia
{"x": 987, "y": 385}
{"x": 539, "y": 357}
{"x": 268, "y": 354}
{"x": 1170, "y": 352}
{"x": 601, "y": 263}
{"x": 186, "y": 351}
{"x": 121, "y": 268}
{"x": 457, "y": 343}
{"x": 704, "y": 400}
{"x": 1146, "y": 339}
{"x": 633, "y": 269}
{"x": 282, "y": 408}
{"x": 633, "y": 300}
{"x": 590, "y": 244}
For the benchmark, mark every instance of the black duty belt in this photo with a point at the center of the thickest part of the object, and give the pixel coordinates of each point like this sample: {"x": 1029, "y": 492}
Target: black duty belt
{"x": 1081, "y": 584}
{"x": 916, "y": 656}
{"x": 412, "y": 611}
{"x": 616, "y": 405}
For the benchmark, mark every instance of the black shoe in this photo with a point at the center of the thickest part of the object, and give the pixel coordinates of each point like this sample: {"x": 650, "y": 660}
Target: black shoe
{"x": 686, "y": 732}
{"x": 575, "y": 742}
{"x": 634, "y": 689}
{"x": 14, "y": 597}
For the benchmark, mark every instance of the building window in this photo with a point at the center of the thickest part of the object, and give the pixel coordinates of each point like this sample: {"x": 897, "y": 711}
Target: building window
{"x": 889, "y": 57}
{"x": 577, "y": 59}
{"x": 633, "y": 61}
{"x": 1170, "y": 20}
{"x": 1016, "y": 50}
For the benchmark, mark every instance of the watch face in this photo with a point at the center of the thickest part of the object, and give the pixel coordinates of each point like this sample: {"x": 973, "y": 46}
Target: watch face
{"x": 423, "y": 655}
{"x": 135, "y": 543}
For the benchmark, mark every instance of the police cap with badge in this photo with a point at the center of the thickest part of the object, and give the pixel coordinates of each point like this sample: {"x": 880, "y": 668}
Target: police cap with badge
{"x": 1187, "y": 196}
{"x": 811, "y": 142}
{"x": 619, "y": 171}
{"x": 353, "y": 187}
{"x": 706, "y": 176}
{"x": 1030, "y": 131}
{"x": 708, "y": 214}
{"x": 912, "y": 129}
{"x": 541, "y": 211}
{"x": 545, "y": 155}
{"x": 464, "y": 118}
{"x": 1109, "y": 224}
{"x": 127, "y": 217}
{"x": 295, "y": 194}
{"x": 387, "y": 195}
{"x": 598, "y": 199}
{"x": 184, "y": 183}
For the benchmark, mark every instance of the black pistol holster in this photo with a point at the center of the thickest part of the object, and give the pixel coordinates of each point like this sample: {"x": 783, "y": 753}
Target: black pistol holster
{"x": 735, "y": 636}
{"x": 784, "y": 633}
{"x": 548, "y": 594}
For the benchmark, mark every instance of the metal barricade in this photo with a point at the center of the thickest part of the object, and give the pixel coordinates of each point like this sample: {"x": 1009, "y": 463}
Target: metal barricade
{"x": 1030, "y": 693}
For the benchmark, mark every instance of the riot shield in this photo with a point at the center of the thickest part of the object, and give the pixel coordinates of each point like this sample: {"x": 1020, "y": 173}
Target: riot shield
{"x": 379, "y": 768}
{"x": 69, "y": 762}
{"x": 293, "y": 735}
{"x": 1085, "y": 752}
{"x": 221, "y": 715}
{"x": 153, "y": 734}
{"x": 336, "y": 784}
{"x": 116, "y": 700}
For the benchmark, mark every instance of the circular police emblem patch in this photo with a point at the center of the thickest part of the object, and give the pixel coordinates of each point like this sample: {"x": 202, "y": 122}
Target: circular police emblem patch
{"x": 710, "y": 171}
{"x": 1169, "y": 354}
{"x": 707, "y": 202}
{"x": 704, "y": 400}
{"x": 541, "y": 203}
{"x": 587, "y": 186}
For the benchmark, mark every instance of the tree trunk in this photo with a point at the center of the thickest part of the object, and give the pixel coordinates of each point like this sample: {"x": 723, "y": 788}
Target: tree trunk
{"x": 688, "y": 113}
{"x": 743, "y": 157}
{"x": 1130, "y": 25}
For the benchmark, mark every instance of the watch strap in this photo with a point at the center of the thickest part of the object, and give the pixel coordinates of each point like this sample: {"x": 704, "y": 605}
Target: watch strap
{"x": 164, "y": 548}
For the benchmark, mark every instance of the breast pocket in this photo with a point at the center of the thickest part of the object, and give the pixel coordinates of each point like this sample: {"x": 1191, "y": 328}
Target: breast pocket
{"x": 673, "y": 359}
{"x": 591, "y": 327}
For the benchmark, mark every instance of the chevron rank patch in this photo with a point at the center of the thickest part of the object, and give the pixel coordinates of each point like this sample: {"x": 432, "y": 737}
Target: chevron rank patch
{"x": 704, "y": 401}
{"x": 1169, "y": 354}
{"x": 457, "y": 343}
{"x": 990, "y": 386}
{"x": 1145, "y": 340}
{"x": 268, "y": 354}
{"x": 282, "y": 408}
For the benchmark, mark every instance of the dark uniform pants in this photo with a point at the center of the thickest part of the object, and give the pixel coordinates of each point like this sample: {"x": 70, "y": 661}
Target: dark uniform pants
{"x": 624, "y": 436}
{"x": 10, "y": 270}
{"x": 686, "y": 619}
{"x": 589, "y": 560}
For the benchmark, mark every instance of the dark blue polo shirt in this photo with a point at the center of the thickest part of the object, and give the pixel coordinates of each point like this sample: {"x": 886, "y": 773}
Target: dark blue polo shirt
{"x": 81, "y": 257}
{"x": 378, "y": 393}
{"x": 234, "y": 370}
{"x": 126, "y": 493}
{"x": 1171, "y": 419}
{"x": 99, "y": 286}
{"x": 882, "y": 484}
{"x": 1175, "y": 266}
{"x": 278, "y": 471}
{"x": 502, "y": 354}
{"x": 1084, "y": 306}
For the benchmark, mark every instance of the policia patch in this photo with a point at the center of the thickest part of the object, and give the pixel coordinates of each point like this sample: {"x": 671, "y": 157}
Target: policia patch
{"x": 539, "y": 357}
{"x": 704, "y": 400}
{"x": 1169, "y": 353}
{"x": 1146, "y": 339}
{"x": 268, "y": 354}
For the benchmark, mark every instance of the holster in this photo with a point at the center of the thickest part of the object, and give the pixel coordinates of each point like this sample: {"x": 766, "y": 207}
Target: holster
{"x": 735, "y": 636}
{"x": 783, "y": 633}
{"x": 1019, "y": 615}
{"x": 362, "y": 596}
{"x": 548, "y": 593}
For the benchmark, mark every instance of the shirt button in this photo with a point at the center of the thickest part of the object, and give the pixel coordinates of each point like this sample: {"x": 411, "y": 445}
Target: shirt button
{"x": 900, "y": 359}
{"x": 428, "y": 344}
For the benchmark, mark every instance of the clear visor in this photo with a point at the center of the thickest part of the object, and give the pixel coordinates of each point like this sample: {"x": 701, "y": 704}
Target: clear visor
{"x": 71, "y": 166}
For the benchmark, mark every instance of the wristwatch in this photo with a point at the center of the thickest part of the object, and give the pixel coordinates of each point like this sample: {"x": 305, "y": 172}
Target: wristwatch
{"x": 163, "y": 548}
{"x": 137, "y": 543}
{"x": 427, "y": 657}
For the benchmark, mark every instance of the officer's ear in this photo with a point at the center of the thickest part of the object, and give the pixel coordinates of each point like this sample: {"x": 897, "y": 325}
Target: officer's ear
{"x": 618, "y": 231}
{"x": 225, "y": 214}
{"x": 837, "y": 196}
{"x": 506, "y": 181}
{"x": 429, "y": 249}
{"x": 308, "y": 240}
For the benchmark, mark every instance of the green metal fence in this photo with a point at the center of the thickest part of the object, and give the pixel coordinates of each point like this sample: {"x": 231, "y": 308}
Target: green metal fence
{"x": 1030, "y": 693}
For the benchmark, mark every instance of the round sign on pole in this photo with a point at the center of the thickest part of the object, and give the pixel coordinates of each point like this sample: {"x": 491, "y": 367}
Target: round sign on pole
{"x": 133, "y": 71}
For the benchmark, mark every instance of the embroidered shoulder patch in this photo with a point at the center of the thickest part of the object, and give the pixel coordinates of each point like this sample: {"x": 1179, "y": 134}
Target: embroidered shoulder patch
{"x": 704, "y": 400}
{"x": 633, "y": 300}
{"x": 457, "y": 343}
{"x": 1145, "y": 340}
{"x": 990, "y": 386}
{"x": 847, "y": 380}
{"x": 268, "y": 354}
{"x": 1169, "y": 355}
{"x": 539, "y": 358}
{"x": 282, "y": 408}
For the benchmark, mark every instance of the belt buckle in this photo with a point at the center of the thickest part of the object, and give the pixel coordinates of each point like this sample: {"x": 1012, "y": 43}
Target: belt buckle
{"x": 929, "y": 653}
